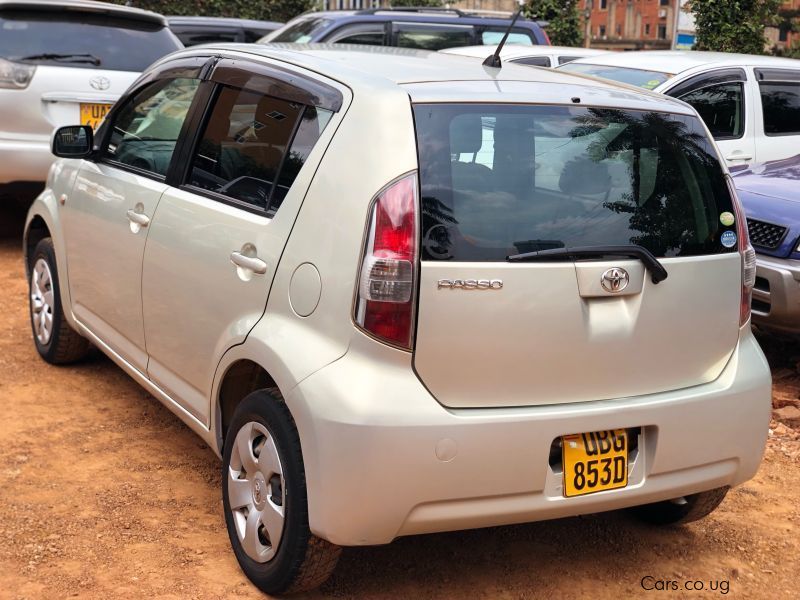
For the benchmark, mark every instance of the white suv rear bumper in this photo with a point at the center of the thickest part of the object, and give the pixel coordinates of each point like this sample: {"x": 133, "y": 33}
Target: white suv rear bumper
{"x": 24, "y": 159}
{"x": 383, "y": 458}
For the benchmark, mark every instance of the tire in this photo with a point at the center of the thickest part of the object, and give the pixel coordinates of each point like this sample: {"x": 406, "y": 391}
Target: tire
{"x": 262, "y": 424}
{"x": 670, "y": 512}
{"x": 56, "y": 341}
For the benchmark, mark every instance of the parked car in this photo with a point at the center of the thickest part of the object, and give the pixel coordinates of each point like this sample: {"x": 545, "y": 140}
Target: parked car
{"x": 423, "y": 28}
{"x": 419, "y": 328}
{"x": 751, "y": 104}
{"x": 771, "y": 196}
{"x": 205, "y": 30}
{"x": 536, "y": 56}
{"x": 65, "y": 62}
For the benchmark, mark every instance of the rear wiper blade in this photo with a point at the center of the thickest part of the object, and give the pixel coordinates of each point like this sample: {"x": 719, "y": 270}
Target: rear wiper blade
{"x": 87, "y": 58}
{"x": 657, "y": 271}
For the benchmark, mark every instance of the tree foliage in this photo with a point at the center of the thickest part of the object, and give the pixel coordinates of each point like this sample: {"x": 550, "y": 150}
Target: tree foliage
{"x": 265, "y": 10}
{"x": 733, "y": 25}
{"x": 564, "y": 20}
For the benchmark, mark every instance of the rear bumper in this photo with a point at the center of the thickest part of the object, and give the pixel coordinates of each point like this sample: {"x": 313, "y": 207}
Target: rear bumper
{"x": 776, "y": 296}
{"x": 384, "y": 459}
{"x": 24, "y": 160}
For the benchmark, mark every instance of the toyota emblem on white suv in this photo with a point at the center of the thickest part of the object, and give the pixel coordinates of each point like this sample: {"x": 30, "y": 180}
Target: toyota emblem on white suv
{"x": 100, "y": 82}
{"x": 615, "y": 280}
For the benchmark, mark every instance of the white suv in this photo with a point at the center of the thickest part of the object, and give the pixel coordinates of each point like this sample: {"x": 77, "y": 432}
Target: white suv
{"x": 750, "y": 103}
{"x": 399, "y": 292}
{"x": 65, "y": 62}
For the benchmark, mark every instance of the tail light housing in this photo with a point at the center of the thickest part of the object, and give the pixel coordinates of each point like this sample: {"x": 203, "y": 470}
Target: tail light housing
{"x": 15, "y": 76}
{"x": 387, "y": 280}
{"x": 748, "y": 257}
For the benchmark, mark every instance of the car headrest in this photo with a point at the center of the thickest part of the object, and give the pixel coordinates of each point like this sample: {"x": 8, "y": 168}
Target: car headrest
{"x": 466, "y": 134}
{"x": 584, "y": 176}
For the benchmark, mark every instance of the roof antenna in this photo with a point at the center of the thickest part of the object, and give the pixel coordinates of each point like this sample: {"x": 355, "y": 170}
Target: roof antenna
{"x": 493, "y": 60}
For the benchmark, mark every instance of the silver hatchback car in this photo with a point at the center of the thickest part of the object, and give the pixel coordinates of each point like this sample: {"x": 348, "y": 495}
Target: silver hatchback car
{"x": 399, "y": 292}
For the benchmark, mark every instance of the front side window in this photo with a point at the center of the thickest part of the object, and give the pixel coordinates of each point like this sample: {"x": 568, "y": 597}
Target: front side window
{"x": 298, "y": 32}
{"x": 781, "y": 105}
{"x": 533, "y": 61}
{"x": 246, "y": 147}
{"x": 434, "y": 37}
{"x": 498, "y": 180}
{"x": 365, "y": 34}
{"x": 721, "y": 107}
{"x": 144, "y": 132}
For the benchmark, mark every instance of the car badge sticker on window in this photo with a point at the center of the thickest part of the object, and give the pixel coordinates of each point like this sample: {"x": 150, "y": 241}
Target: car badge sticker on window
{"x": 727, "y": 219}
{"x": 728, "y": 239}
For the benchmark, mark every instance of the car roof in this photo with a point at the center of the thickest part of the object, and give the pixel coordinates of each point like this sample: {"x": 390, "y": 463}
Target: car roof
{"x": 114, "y": 10}
{"x": 222, "y": 21}
{"x": 512, "y": 51}
{"x": 674, "y": 62}
{"x": 434, "y": 76}
{"x": 420, "y": 15}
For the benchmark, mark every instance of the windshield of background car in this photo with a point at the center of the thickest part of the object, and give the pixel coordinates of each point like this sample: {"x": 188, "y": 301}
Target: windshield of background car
{"x": 498, "y": 180}
{"x": 100, "y": 41}
{"x": 300, "y": 32}
{"x": 639, "y": 77}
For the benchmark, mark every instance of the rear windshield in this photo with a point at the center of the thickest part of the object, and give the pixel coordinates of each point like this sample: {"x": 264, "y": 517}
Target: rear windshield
{"x": 73, "y": 39}
{"x": 498, "y": 180}
{"x": 300, "y": 32}
{"x": 639, "y": 77}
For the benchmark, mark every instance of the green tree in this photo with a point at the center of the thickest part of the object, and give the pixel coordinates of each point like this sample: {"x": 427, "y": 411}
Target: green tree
{"x": 265, "y": 10}
{"x": 733, "y": 25}
{"x": 564, "y": 20}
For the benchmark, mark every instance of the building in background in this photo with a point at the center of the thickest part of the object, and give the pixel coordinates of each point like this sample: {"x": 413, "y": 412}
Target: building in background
{"x": 782, "y": 37}
{"x": 630, "y": 24}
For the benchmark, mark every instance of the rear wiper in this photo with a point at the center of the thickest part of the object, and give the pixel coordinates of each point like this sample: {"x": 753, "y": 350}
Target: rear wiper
{"x": 84, "y": 58}
{"x": 657, "y": 271}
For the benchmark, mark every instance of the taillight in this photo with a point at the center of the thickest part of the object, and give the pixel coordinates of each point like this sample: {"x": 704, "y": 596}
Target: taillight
{"x": 748, "y": 257}
{"x": 385, "y": 304}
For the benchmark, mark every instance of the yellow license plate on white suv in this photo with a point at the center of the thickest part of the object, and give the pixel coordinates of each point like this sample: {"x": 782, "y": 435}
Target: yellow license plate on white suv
{"x": 93, "y": 114}
{"x": 594, "y": 461}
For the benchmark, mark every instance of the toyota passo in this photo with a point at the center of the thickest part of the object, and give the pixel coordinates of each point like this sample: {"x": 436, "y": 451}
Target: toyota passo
{"x": 401, "y": 292}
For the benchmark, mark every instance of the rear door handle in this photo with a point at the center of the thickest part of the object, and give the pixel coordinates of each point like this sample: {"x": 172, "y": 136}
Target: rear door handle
{"x": 739, "y": 157}
{"x": 254, "y": 264}
{"x": 138, "y": 218}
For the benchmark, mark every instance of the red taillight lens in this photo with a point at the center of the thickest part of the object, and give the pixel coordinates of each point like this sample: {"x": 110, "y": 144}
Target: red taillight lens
{"x": 748, "y": 257}
{"x": 385, "y": 306}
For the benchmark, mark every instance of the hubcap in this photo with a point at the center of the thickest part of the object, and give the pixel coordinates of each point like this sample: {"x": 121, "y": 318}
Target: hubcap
{"x": 256, "y": 491}
{"x": 42, "y": 301}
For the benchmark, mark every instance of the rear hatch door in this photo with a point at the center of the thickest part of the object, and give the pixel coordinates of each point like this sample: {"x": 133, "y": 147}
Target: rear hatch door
{"x": 503, "y": 180}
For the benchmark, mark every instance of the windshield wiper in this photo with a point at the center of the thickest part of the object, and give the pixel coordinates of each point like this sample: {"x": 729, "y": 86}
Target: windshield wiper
{"x": 657, "y": 271}
{"x": 83, "y": 58}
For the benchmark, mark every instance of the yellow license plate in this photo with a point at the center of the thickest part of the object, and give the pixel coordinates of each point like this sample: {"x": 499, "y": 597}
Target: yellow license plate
{"x": 93, "y": 114}
{"x": 594, "y": 461}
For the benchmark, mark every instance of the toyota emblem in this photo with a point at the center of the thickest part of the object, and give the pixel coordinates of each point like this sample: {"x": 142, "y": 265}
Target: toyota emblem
{"x": 100, "y": 82}
{"x": 615, "y": 280}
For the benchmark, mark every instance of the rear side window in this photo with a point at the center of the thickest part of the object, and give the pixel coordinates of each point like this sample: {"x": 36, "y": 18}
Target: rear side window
{"x": 433, "y": 37}
{"x": 85, "y": 40}
{"x": 780, "y": 102}
{"x": 246, "y": 147}
{"x": 506, "y": 179}
{"x": 492, "y": 38}
{"x": 721, "y": 107}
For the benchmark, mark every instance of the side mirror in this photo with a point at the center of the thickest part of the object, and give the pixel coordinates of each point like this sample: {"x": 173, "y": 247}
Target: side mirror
{"x": 74, "y": 141}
